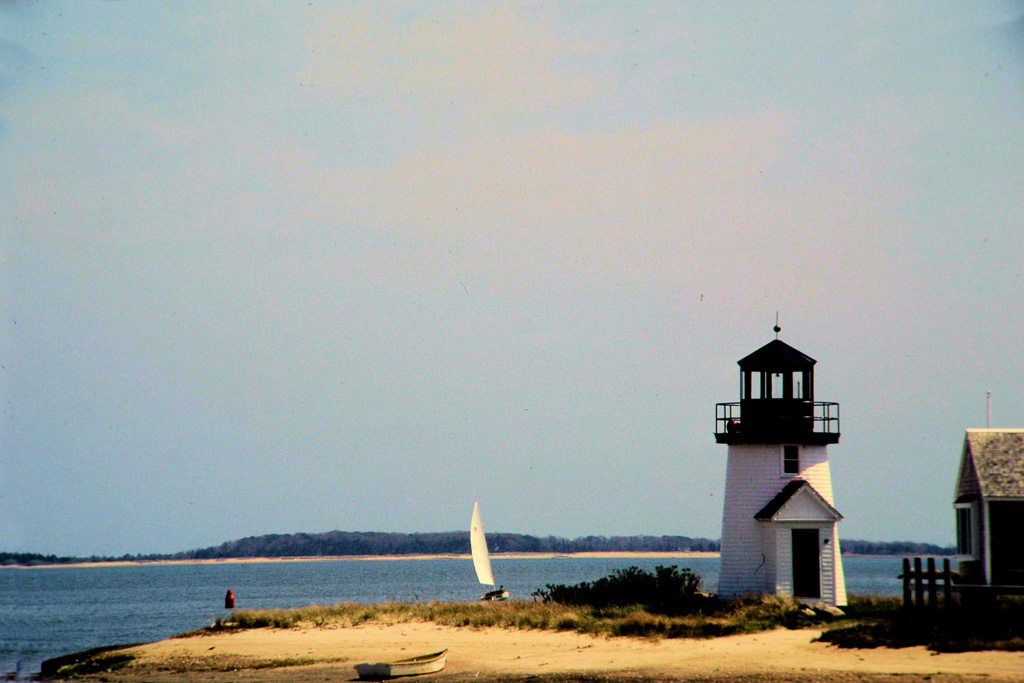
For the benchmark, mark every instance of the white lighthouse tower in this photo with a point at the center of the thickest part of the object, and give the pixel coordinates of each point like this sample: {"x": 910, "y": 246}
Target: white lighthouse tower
{"x": 779, "y": 522}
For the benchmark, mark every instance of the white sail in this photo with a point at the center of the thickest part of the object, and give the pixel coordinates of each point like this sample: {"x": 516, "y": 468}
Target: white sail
{"x": 481, "y": 558}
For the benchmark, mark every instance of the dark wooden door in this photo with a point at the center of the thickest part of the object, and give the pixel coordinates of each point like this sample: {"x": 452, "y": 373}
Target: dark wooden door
{"x": 1006, "y": 520}
{"x": 806, "y": 563}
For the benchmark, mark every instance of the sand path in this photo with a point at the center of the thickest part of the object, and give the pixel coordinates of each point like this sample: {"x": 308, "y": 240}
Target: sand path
{"x": 502, "y": 653}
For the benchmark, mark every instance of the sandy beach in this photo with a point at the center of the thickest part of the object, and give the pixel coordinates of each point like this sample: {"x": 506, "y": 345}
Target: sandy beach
{"x": 320, "y": 654}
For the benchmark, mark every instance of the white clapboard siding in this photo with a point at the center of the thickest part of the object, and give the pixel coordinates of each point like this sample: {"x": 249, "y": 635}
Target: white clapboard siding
{"x": 757, "y": 556}
{"x": 837, "y": 565}
{"x": 752, "y": 478}
{"x": 814, "y": 468}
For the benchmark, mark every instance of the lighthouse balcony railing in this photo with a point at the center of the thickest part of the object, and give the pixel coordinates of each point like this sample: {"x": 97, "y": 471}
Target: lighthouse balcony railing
{"x": 775, "y": 420}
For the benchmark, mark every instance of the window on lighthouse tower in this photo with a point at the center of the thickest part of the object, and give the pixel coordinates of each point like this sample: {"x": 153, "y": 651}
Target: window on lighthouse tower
{"x": 790, "y": 460}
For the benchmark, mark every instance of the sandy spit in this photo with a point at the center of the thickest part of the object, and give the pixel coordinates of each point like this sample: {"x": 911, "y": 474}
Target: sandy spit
{"x": 515, "y": 655}
{"x": 358, "y": 558}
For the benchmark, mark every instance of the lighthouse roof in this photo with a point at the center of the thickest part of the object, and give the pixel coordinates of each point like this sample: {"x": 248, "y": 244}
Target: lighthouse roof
{"x": 777, "y": 355}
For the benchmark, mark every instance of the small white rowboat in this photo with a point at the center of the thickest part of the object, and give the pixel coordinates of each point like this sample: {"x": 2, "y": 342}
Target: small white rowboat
{"x": 414, "y": 666}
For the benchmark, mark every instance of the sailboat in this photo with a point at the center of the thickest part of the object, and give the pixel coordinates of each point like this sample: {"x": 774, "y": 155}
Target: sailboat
{"x": 482, "y": 558}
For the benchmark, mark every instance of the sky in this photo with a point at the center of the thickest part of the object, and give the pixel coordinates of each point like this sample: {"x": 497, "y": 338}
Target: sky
{"x": 295, "y": 267}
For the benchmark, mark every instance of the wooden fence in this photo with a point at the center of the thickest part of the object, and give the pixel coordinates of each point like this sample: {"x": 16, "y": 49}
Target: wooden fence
{"x": 917, "y": 582}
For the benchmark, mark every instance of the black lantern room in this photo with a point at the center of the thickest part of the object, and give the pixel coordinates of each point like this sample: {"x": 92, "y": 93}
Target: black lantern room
{"x": 777, "y": 401}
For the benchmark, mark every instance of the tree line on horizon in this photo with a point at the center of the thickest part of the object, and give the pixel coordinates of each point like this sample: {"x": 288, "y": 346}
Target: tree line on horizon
{"x": 443, "y": 543}
{"x": 349, "y": 543}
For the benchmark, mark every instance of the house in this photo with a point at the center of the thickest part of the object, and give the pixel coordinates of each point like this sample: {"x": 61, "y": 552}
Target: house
{"x": 779, "y": 519}
{"x": 989, "y": 508}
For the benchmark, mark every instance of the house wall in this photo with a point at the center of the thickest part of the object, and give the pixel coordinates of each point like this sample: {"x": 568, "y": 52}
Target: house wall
{"x": 967, "y": 479}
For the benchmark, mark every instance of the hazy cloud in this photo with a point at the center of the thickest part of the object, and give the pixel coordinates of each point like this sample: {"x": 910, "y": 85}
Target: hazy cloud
{"x": 465, "y": 61}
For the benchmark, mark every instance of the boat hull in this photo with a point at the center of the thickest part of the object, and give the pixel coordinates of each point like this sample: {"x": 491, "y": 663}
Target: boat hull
{"x": 414, "y": 666}
{"x": 495, "y": 596}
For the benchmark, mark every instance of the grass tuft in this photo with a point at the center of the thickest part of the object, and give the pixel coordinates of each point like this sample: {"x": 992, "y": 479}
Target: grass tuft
{"x": 744, "y": 616}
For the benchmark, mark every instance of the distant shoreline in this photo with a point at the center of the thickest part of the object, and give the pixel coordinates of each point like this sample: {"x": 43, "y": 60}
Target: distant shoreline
{"x": 361, "y": 558}
{"x": 653, "y": 554}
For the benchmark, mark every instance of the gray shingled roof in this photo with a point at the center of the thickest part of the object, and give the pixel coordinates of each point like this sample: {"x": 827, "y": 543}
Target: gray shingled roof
{"x": 998, "y": 458}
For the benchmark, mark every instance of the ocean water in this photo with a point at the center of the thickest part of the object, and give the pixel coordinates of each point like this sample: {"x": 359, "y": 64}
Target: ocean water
{"x": 49, "y": 611}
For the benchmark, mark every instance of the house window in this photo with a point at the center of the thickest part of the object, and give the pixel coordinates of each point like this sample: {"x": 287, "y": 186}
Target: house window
{"x": 964, "y": 537}
{"x": 790, "y": 460}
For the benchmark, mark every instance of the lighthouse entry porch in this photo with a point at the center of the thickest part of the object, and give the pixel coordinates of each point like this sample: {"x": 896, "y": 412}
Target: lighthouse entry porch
{"x": 799, "y": 526}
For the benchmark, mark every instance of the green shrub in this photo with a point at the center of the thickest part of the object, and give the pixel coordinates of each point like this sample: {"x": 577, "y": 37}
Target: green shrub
{"x": 668, "y": 590}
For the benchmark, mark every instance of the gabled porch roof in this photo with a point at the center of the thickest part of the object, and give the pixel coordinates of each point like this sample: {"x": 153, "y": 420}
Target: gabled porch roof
{"x": 798, "y": 502}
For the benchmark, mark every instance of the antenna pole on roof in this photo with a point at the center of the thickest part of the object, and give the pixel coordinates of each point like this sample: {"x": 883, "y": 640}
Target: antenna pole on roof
{"x": 777, "y": 328}
{"x": 988, "y": 409}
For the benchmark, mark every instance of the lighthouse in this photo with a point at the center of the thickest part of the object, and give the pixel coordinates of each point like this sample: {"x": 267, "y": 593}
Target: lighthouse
{"x": 779, "y": 519}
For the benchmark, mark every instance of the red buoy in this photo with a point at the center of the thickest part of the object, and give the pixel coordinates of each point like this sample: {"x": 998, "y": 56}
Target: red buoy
{"x": 229, "y": 600}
